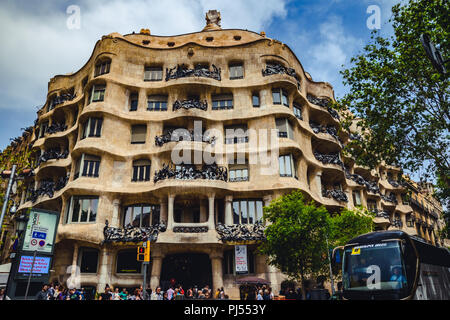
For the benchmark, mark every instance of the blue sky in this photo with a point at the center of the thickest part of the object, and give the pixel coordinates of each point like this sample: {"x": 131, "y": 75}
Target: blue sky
{"x": 36, "y": 43}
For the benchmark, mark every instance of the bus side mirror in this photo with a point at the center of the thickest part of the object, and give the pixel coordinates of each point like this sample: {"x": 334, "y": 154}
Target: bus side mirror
{"x": 336, "y": 258}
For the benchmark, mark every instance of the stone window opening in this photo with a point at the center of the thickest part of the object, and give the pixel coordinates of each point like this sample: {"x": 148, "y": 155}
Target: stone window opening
{"x": 238, "y": 172}
{"x": 298, "y": 111}
{"x": 97, "y": 93}
{"x": 88, "y": 260}
{"x": 82, "y": 209}
{"x": 236, "y": 134}
{"x": 284, "y": 128}
{"x": 141, "y": 170}
{"x": 92, "y": 128}
{"x": 138, "y": 133}
{"x": 141, "y": 215}
{"x": 102, "y": 67}
{"x": 357, "y": 198}
{"x": 228, "y": 262}
{"x": 287, "y": 166}
{"x": 88, "y": 165}
{"x": 222, "y": 102}
{"x": 256, "y": 102}
{"x": 236, "y": 71}
{"x": 280, "y": 96}
{"x": 153, "y": 73}
{"x": 247, "y": 211}
{"x": 134, "y": 101}
{"x": 127, "y": 262}
{"x": 157, "y": 103}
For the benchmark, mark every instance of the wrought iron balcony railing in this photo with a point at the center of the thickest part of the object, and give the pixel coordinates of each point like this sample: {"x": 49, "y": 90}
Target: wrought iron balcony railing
{"x": 181, "y": 134}
{"x": 182, "y": 71}
{"x": 241, "y": 232}
{"x": 332, "y": 158}
{"x": 190, "y": 229}
{"x": 337, "y": 194}
{"x": 61, "y": 99}
{"x": 190, "y": 104}
{"x": 324, "y": 103}
{"x": 331, "y": 130}
{"x": 275, "y": 68}
{"x": 391, "y": 198}
{"x": 397, "y": 223}
{"x": 52, "y": 154}
{"x": 132, "y": 234}
{"x": 190, "y": 172}
{"x": 56, "y": 127}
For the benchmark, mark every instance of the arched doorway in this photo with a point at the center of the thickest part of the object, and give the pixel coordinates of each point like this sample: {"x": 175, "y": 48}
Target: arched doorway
{"x": 188, "y": 269}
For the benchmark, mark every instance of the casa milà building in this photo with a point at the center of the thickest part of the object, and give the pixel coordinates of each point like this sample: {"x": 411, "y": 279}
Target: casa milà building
{"x": 104, "y": 144}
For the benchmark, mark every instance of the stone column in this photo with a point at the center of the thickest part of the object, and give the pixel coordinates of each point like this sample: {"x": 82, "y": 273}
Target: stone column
{"x": 271, "y": 274}
{"x": 74, "y": 275}
{"x": 319, "y": 183}
{"x": 115, "y": 222}
{"x": 228, "y": 210}
{"x": 217, "y": 274}
{"x": 103, "y": 274}
{"x": 403, "y": 219}
{"x": 157, "y": 259}
{"x": 211, "y": 225}
{"x": 163, "y": 211}
{"x": 170, "y": 203}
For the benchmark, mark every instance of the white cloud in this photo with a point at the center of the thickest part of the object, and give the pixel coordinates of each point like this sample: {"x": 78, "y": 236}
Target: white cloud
{"x": 36, "y": 44}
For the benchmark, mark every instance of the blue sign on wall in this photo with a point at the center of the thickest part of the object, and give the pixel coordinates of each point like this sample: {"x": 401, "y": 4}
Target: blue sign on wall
{"x": 39, "y": 235}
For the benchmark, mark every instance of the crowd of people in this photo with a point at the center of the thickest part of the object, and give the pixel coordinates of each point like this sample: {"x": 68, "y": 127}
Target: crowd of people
{"x": 58, "y": 292}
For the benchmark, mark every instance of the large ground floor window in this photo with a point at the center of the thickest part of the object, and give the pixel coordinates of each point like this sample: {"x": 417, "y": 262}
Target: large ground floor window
{"x": 247, "y": 211}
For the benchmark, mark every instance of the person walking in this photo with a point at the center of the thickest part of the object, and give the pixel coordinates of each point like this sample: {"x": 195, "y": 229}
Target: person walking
{"x": 156, "y": 295}
{"x": 43, "y": 294}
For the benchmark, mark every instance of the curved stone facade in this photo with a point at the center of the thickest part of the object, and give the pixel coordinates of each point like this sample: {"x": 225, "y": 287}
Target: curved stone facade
{"x": 106, "y": 151}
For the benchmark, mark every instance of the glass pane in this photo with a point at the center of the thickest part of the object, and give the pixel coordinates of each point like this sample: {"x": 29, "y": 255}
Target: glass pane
{"x": 288, "y": 165}
{"x": 93, "y": 214}
{"x": 245, "y": 174}
{"x": 136, "y": 216}
{"x": 89, "y": 259}
{"x": 76, "y": 210}
{"x": 128, "y": 216}
{"x": 255, "y": 100}
{"x": 251, "y": 212}
{"x": 146, "y": 211}
{"x": 276, "y": 97}
{"x": 259, "y": 210}
{"x": 285, "y": 99}
{"x": 236, "y": 212}
{"x": 238, "y": 174}
{"x": 127, "y": 263}
{"x": 84, "y": 210}
{"x": 244, "y": 213}
{"x": 232, "y": 174}
{"x": 155, "y": 214}
{"x": 282, "y": 168}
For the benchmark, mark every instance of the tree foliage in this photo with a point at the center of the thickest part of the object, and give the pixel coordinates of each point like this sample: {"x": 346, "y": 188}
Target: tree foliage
{"x": 297, "y": 234}
{"x": 398, "y": 100}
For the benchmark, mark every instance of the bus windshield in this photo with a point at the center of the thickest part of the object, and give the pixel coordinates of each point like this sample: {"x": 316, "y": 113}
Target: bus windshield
{"x": 374, "y": 267}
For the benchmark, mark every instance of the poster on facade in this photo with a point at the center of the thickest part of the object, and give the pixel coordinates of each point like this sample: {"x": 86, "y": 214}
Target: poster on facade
{"x": 41, "y": 230}
{"x": 240, "y": 254}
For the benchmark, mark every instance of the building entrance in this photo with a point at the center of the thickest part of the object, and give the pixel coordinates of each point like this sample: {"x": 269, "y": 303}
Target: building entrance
{"x": 187, "y": 269}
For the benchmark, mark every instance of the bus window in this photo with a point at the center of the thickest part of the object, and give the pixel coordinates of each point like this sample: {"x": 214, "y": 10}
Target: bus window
{"x": 377, "y": 267}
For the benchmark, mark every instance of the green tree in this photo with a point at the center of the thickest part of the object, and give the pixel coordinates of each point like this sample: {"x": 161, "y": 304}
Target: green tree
{"x": 397, "y": 99}
{"x": 297, "y": 233}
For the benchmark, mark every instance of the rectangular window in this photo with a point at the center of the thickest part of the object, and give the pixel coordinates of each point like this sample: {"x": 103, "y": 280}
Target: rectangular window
{"x": 372, "y": 205}
{"x": 43, "y": 129}
{"x": 298, "y": 111}
{"x": 138, "y": 133}
{"x": 98, "y": 93}
{"x": 153, "y": 74}
{"x": 222, "y": 102}
{"x": 92, "y": 128}
{"x": 357, "y": 198}
{"x": 102, "y": 68}
{"x": 236, "y": 71}
{"x": 238, "y": 173}
{"x": 141, "y": 170}
{"x": 157, "y": 103}
{"x": 88, "y": 260}
{"x": 141, "y": 215}
{"x": 255, "y": 100}
{"x": 236, "y": 134}
{"x": 91, "y": 166}
{"x": 134, "y": 100}
{"x": 280, "y": 96}
{"x": 284, "y": 128}
{"x": 247, "y": 211}
{"x": 287, "y": 168}
{"x": 82, "y": 209}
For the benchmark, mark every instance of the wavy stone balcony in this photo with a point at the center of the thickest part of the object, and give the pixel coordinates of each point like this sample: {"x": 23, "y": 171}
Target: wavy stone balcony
{"x": 332, "y": 158}
{"x": 241, "y": 232}
{"x": 56, "y": 127}
{"x": 182, "y": 71}
{"x": 275, "y": 68}
{"x": 132, "y": 234}
{"x": 324, "y": 103}
{"x": 61, "y": 99}
{"x": 391, "y": 198}
{"x": 189, "y": 172}
{"x": 371, "y": 186}
{"x": 181, "y": 134}
{"x": 190, "y": 104}
{"x": 52, "y": 154}
{"x": 331, "y": 130}
{"x": 47, "y": 187}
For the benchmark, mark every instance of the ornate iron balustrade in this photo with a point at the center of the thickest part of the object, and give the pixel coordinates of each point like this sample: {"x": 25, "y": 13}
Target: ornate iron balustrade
{"x": 241, "y": 232}
{"x": 331, "y": 130}
{"x": 275, "y": 68}
{"x": 338, "y": 195}
{"x": 52, "y": 154}
{"x": 381, "y": 214}
{"x": 47, "y": 187}
{"x": 397, "y": 223}
{"x": 61, "y": 99}
{"x": 391, "y": 198}
{"x": 132, "y": 234}
{"x": 171, "y": 135}
{"x": 190, "y": 104}
{"x": 189, "y": 172}
{"x": 324, "y": 103}
{"x": 371, "y": 186}
{"x": 61, "y": 182}
{"x": 182, "y": 71}
{"x": 332, "y": 158}
{"x": 56, "y": 127}
{"x": 190, "y": 229}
